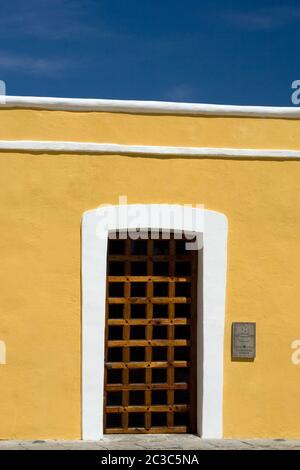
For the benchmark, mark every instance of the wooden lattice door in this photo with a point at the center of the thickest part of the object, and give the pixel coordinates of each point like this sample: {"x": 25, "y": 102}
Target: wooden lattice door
{"x": 150, "y": 340}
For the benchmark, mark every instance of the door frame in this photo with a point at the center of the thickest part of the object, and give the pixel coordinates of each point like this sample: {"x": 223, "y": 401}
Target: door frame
{"x": 211, "y": 230}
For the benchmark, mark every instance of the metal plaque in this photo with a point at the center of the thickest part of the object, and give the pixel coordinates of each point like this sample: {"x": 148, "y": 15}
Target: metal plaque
{"x": 243, "y": 340}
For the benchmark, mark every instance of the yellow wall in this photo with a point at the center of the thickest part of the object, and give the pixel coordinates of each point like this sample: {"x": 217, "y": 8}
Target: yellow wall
{"x": 140, "y": 129}
{"x": 42, "y": 198}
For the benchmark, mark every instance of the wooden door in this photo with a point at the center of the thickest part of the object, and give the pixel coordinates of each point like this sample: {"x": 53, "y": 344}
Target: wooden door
{"x": 150, "y": 340}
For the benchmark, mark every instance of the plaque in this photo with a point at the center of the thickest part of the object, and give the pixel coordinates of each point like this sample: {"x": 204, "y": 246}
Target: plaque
{"x": 243, "y": 340}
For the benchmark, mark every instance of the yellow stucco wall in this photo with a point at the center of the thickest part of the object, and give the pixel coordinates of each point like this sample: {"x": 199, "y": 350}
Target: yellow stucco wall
{"x": 42, "y": 198}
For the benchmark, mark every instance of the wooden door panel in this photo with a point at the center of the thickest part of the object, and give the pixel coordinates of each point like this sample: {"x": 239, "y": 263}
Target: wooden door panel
{"x": 150, "y": 337}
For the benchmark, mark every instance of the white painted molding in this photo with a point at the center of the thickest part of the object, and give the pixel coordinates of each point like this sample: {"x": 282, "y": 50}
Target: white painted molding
{"x": 210, "y": 225}
{"x": 148, "y": 107}
{"x": 33, "y": 146}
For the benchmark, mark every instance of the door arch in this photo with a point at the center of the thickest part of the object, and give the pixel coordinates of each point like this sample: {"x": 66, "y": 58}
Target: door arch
{"x": 211, "y": 227}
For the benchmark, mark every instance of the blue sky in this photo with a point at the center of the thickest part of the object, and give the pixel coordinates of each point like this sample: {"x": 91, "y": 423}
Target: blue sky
{"x": 213, "y": 51}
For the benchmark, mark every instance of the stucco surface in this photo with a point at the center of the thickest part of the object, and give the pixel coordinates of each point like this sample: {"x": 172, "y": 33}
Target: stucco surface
{"x": 42, "y": 198}
{"x": 123, "y": 128}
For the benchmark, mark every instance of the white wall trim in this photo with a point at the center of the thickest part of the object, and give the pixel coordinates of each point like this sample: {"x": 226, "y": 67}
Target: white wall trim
{"x": 147, "y": 107}
{"x": 36, "y": 146}
{"x": 213, "y": 226}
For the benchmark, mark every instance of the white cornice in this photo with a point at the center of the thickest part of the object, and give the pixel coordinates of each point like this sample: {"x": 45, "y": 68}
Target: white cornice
{"x": 32, "y": 146}
{"x": 147, "y": 107}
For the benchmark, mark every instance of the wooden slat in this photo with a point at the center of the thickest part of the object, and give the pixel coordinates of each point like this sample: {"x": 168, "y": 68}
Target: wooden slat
{"x": 155, "y": 258}
{"x": 147, "y": 342}
{"x": 154, "y": 430}
{"x": 193, "y": 332}
{"x": 155, "y": 386}
{"x": 160, "y": 321}
{"x": 126, "y": 336}
{"x": 148, "y": 278}
{"x": 143, "y": 364}
{"x": 146, "y": 408}
{"x": 149, "y": 330}
{"x": 145, "y": 300}
{"x": 171, "y": 340}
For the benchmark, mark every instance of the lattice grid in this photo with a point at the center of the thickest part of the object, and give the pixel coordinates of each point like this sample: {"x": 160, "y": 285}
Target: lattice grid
{"x": 150, "y": 364}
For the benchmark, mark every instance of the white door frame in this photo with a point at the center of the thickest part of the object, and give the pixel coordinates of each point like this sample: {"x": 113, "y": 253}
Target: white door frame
{"x": 96, "y": 225}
